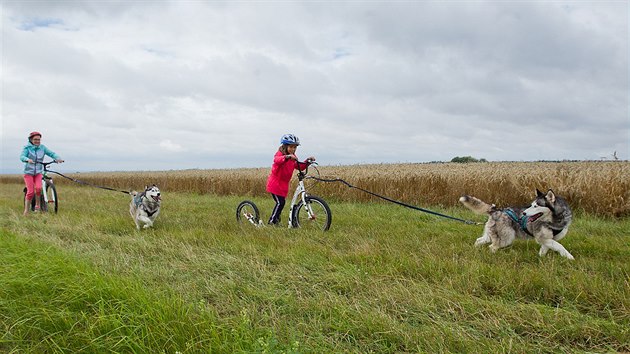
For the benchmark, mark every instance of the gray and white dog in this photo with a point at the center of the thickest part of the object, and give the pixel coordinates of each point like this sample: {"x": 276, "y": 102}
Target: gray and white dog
{"x": 145, "y": 206}
{"x": 547, "y": 220}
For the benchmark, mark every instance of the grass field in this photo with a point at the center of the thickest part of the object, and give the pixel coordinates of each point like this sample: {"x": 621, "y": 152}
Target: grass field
{"x": 383, "y": 279}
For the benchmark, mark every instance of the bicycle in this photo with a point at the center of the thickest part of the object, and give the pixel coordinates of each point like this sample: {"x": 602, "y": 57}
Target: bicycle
{"x": 49, "y": 191}
{"x": 305, "y": 211}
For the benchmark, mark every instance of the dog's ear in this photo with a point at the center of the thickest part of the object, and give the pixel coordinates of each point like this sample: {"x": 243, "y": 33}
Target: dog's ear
{"x": 539, "y": 194}
{"x": 551, "y": 197}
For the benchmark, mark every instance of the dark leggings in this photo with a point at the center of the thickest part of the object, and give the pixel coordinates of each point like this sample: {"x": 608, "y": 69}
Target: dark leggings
{"x": 277, "y": 210}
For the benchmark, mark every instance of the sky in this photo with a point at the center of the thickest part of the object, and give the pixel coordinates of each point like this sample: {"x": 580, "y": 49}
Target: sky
{"x": 172, "y": 85}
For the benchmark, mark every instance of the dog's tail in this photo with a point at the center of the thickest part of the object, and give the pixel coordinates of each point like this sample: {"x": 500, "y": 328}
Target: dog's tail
{"x": 477, "y": 205}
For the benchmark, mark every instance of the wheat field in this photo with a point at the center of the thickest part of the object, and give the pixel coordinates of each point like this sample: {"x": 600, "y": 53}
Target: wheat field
{"x": 598, "y": 188}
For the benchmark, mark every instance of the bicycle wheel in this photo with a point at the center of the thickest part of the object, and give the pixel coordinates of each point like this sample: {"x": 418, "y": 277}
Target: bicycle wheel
{"x": 247, "y": 213}
{"x": 314, "y": 215}
{"x": 51, "y": 191}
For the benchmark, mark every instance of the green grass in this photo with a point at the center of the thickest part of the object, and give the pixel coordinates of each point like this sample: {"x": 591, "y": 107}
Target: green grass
{"x": 384, "y": 279}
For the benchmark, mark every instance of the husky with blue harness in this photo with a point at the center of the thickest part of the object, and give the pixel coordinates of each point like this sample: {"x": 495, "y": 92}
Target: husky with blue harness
{"x": 546, "y": 220}
{"x": 145, "y": 206}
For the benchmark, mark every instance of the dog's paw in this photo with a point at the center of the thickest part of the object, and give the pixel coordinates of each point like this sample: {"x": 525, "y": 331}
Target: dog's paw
{"x": 543, "y": 251}
{"x": 482, "y": 241}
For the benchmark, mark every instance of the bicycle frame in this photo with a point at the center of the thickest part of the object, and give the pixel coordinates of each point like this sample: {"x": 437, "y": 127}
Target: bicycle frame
{"x": 45, "y": 181}
{"x": 251, "y": 219}
{"x": 300, "y": 192}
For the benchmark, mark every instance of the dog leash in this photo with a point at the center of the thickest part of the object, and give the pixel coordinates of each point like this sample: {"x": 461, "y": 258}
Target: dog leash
{"x": 87, "y": 184}
{"x": 394, "y": 201}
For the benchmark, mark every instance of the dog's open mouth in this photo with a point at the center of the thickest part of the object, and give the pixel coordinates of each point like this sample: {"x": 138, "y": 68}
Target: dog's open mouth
{"x": 534, "y": 217}
{"x": 156, "y": 198}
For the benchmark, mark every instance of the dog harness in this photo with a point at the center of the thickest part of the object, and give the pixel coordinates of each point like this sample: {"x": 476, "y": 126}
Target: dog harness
{"x": 137, "y": 200}
{"x": 522, "y": 221}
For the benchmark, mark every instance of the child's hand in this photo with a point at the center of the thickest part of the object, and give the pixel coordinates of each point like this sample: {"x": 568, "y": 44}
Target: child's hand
{"x": 291, "y": 157}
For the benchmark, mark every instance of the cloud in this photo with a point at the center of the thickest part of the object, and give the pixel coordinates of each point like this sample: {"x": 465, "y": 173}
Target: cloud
{"x": 169, "y": 146}
{"x": 215, "y": 84}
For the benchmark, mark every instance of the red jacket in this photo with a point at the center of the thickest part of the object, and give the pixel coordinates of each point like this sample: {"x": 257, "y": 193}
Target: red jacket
{"x": 281, "y": 173}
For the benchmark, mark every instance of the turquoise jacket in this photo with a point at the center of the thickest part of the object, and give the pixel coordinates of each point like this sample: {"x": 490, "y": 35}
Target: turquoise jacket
{"x": 35, "y": 153}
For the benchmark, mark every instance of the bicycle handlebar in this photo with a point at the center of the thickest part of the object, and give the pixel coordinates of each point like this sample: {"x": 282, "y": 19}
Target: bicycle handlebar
{"x": 306, "y": 164}
{"x": 45, "y": 164}
{"x": 303, "y": 172}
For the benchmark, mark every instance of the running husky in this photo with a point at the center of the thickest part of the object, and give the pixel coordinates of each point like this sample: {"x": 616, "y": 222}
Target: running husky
{"x": 547, "y": 220}
{"x": 145, "y": 206}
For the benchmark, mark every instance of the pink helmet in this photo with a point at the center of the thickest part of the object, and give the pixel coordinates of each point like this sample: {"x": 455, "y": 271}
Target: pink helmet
{"x": 32, "y": 134}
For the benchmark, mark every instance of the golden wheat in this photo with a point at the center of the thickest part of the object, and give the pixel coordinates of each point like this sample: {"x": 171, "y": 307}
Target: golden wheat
{"x": 601, "y": 188}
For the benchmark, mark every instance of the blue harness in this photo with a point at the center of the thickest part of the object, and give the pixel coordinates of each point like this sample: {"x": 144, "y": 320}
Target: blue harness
{"x": 522, "y": 221}
{"x": 137, "y": 200}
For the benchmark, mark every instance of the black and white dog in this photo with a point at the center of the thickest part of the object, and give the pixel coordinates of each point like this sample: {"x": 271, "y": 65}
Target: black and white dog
{"x": 145, "y": 206}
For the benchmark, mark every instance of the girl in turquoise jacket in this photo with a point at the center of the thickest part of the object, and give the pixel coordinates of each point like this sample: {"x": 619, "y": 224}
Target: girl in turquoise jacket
{"x": 33, "y": 155}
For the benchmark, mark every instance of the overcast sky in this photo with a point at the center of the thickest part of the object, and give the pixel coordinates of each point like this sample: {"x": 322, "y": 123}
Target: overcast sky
{"x": 161, "y": 85}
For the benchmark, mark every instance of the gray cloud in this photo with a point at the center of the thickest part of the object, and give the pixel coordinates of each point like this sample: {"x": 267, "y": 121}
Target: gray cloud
{"x": 168, "y": 85}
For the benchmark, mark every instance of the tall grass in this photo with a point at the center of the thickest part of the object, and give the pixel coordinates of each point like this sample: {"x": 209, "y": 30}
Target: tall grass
{"x": 600, "y": 188}
{"x": 384, "y": 279}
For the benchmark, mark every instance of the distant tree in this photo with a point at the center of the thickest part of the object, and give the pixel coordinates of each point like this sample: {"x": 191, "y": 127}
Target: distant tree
{"x": 463, "y": 159}
{"x": 466, "y": 159}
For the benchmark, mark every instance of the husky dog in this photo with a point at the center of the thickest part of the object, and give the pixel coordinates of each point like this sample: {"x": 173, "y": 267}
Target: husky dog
{"x": 547, "y": 220}
{"x": 145, "y": 206}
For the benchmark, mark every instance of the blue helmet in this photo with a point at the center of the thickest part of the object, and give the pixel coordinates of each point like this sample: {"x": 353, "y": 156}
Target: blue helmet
{"x": 289, "y": 139}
